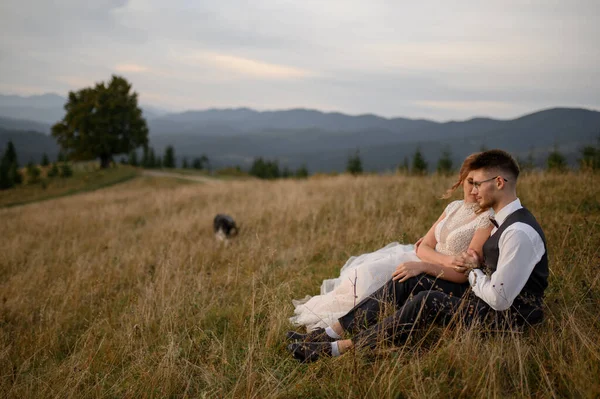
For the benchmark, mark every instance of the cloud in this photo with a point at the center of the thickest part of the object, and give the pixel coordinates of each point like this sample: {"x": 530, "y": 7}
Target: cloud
{"x": 444, "y": 60}
{"x": 133, "y": 68}
{"x": 247, "y": 67}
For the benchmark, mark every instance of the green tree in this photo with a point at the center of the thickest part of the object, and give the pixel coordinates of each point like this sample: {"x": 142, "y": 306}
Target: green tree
{"x": 102, "y": 121}
{"x": 200, "y": 162}
{"x": 5, "y": 180}
{"x": 590, "y": 157}
{"x": 302, "y": 172}
{"x": 184, "y": 163}
{"x": 556, "y": 161}
{"x": 354, "y": 165}
{"x": 14, "y": 174}
{"x": 11, "y": 153}
{"x": 53, "y": 172}
{"x": 145, "y": 157}
{"x": 286, "y": 172}
{"x": 444, "y": 166}
{"x": 151, "y": 158}
{"x": 45, "y": 160}
{"x": 205, "y": 162}
{"x": 169, "y": 158}
{"x": 133, "y": 159}
{"x": 264, "y": 169}
{"x": 529, "y": 163}
{"x": 33, "y": 173}
{"x": 66, "y": 170}
{"x": 9, "y": 168}
{"x": 272, "y": 169}
{"x": 419, "y": 165}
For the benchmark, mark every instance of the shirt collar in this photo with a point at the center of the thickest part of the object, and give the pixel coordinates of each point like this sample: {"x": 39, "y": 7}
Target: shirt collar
{"x": 507, "y": 210}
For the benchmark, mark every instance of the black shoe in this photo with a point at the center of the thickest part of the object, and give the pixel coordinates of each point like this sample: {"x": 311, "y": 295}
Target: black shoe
{"x": 318, "y": 335}
{"x": 307, "y": 352}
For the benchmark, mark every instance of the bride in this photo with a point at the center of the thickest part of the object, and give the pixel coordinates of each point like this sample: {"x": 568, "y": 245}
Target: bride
{"x": 462, "y": 225}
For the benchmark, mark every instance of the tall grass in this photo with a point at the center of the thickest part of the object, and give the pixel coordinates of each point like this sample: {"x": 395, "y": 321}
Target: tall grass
{"x": 124, "y": 292}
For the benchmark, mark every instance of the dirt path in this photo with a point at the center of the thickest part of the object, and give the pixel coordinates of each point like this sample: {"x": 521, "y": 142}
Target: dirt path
{"x": 201, "y": 179}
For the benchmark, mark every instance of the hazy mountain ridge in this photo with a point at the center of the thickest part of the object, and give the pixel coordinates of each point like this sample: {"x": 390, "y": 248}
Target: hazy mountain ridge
{"x": 323, "y": 140}
{"x": 48, "y": 108}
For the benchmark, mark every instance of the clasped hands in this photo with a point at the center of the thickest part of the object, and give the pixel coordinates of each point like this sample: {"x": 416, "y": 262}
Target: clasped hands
{"x": 465, "y": 262}
{"x": 462, "y": 263}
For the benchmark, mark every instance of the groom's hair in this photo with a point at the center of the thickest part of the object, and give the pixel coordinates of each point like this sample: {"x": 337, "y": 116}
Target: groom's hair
{"x": 497, "y": 159}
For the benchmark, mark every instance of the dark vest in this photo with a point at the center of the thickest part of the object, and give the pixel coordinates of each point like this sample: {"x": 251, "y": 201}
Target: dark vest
{"x": 538, "y": 280}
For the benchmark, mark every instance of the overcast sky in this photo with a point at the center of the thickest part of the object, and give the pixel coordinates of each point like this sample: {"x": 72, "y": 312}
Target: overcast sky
{"x": 437, "y": 60}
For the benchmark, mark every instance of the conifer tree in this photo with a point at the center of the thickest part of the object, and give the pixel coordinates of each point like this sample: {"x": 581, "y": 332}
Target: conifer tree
{"x": 419, "y": 165}
{"x": 354, "y": 165}
{"x": 133, "y": 159}
{"x": 45, "y": 160}
{"x": 15, "y": 175}
{"x": 66, "y": 170}
{"x": 5, "y": 180}
{"x": 145, "y": 157}
{"x": 33, "y": 173}
{"x": 302, "y": 172}
{"x": 9, "y": 168}
{"x": 590, "y": 157}
{"x": 556, "y": 161}
{"x": 53, "y": 172}
{"x": 169, "y": 158}
{"x": 444, "y": 166}
{"x": 151, "y": 158}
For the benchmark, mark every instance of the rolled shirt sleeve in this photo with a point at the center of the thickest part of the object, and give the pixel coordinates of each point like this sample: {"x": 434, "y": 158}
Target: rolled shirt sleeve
{"x": 521, "y": 248}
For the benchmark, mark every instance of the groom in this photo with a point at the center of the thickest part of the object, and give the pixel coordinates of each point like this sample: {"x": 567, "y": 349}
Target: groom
{"x": 507, "y": 287}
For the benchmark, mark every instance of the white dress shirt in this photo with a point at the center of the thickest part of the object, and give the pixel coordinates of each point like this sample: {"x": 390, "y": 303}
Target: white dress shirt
{"x": 521, "y": 248}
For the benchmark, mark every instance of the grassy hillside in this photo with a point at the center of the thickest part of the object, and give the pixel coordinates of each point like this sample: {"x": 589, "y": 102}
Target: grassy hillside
{"x": 124, "y": 292}
{"x": 85, "y": 178}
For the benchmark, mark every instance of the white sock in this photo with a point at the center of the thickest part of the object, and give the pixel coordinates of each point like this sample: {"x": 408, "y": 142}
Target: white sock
{"x": 335, "y": 350}
{"x": 329, "y": 331}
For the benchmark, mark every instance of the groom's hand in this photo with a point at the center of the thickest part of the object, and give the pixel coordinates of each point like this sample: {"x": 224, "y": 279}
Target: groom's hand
{"x": 470, "y": 262}
{"x": 406, "y": 270}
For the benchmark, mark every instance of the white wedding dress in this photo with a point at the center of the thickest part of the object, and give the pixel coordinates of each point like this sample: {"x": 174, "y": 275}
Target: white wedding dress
{"x": 363, "y": 275}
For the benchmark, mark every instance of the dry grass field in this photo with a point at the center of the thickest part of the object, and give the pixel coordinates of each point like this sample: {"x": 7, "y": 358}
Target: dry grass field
{"x": 124, "y": 293}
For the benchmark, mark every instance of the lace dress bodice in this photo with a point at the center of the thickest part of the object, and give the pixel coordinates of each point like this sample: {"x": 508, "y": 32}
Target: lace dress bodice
{"x": 455, "y": 232}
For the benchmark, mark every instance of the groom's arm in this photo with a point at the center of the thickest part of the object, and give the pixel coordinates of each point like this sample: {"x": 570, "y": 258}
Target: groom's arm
{"x": 521, "y": 248}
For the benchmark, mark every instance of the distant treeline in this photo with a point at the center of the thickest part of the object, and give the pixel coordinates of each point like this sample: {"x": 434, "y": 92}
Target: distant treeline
{"x": 11, "y": 174}
{"x": 415, "y": 165}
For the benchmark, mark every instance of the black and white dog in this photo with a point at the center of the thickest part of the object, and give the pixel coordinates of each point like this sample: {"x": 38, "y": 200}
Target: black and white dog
{"x": 224, "y": 227}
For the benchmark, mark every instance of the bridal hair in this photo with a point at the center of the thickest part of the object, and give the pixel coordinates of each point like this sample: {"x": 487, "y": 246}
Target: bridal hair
{"x": 497, "y": 159}
{"x": 462, "y": 174}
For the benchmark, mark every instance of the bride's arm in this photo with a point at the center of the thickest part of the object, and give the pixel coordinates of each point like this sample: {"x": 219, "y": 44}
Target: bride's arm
{"x": 426, "y": 250}
{"x": 409, "y": 269}
{"x": 448, "y": 272}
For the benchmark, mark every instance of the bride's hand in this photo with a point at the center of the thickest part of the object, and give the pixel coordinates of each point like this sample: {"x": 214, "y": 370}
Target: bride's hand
{"x": 470, "y": 262}
{"x": 406, "y": 270}
{"x": 457, "y": 261}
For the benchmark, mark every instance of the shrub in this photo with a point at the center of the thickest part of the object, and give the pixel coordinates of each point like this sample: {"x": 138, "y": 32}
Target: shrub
{"x": 66, "y": 170}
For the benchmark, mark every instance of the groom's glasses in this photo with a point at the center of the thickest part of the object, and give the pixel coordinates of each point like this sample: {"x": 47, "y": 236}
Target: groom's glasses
{"x": 477, "y": 184}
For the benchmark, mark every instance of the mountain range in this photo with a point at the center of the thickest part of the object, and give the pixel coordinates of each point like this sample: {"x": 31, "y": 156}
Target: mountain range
{"x": 322, "y": 141}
